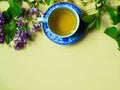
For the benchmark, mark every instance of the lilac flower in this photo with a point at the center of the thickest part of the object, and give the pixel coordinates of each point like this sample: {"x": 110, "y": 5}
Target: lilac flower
{"x": 1, "y": 39}
{"x": 1, "y": 35}
{"x": 19, "y": 44}
{"x": 21, "y": 38}
{"x": 33, "y": 10}
{"x": 29, "y": 34}
{"x": 19, "y": 22}
{"x": 36, "y": 26}
{"x": 38, "y": 14}
{"x": 1, "y": 18}
{"x": 1, "y": 30}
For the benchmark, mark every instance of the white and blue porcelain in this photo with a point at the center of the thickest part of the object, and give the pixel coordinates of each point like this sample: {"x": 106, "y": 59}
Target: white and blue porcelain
{"x": 62, "y": 40}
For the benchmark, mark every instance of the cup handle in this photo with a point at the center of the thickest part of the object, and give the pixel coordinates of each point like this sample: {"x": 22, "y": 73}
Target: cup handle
{"x": 41, "y": 20}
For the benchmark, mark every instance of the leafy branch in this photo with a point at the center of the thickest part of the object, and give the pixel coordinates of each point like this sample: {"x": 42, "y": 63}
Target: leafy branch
{"x": 113, "y": 31}
{"x": 93, "y": 20}
{"x": 15, "y": 22}
{"x": 10, "y": 25}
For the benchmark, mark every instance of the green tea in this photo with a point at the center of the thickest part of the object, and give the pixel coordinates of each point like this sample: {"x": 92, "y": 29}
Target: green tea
{"x": 62, "y": 21}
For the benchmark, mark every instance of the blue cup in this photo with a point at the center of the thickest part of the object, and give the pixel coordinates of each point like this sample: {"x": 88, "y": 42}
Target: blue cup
{"x": 53, "y": 35}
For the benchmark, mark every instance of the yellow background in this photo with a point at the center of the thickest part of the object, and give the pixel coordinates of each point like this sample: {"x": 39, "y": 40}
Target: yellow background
{"x": 92, "y": 63}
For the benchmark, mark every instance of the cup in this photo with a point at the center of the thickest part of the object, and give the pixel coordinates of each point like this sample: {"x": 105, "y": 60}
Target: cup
{"x": 61, "y": 19}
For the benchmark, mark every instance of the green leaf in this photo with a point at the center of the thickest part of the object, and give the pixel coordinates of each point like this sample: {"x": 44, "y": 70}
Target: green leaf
{"x": 112, "y": 32}
{"x": 6, "y": 33}
{"x": 11, "y": 3}
{"x": 113, "y": 15}
{"x": 17, "y": 9}
{"x": 6, "y": 16}
{"x": 97, "y": 23}
{"x": 9, "y": 31}
{"x": 105, "y": 2}
{"x": 12, "y": 26}
{"x": 90, "y": 25}
{"x": 14, "y": 8}
{"x": 10, "y": 11}
{"x": 88, "y": 18}
{"x": 48, "y": 2}
{"x": 7, "y": 39}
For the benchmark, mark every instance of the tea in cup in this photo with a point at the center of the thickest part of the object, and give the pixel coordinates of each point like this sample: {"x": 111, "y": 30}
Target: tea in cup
{"x": 63, "y": 21}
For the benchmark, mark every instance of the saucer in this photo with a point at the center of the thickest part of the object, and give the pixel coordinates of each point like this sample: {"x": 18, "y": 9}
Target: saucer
{"x": 58, "y": 39}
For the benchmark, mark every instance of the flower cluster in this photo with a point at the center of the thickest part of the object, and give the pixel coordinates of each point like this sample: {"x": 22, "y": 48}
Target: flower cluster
{"x": 21, "y": 38}
{"x": 1, "y": 29}
{"x": 33, "y": 10}
{"x": 36, "y": 27}
{"x": 23, "y": 33}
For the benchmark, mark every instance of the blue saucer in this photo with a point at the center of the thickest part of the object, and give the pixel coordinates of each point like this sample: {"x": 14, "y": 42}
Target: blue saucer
{"x": 58, "y": 39}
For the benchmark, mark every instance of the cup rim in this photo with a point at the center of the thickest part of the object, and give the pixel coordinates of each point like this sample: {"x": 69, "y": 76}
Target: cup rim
{"x": 77, "y": 21}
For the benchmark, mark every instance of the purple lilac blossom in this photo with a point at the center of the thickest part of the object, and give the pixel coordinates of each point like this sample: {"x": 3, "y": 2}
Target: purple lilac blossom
{"x": 33, "y": 10}
{"x": 1, "y": 30}
{"x": 21, "y": 38}
{"x": 1, "y": 35}
{"x": 36, "y": 26}
{"x": 1, "y": 18}
{"x": 41, "y": 12}
{"x": 19, "y": 22}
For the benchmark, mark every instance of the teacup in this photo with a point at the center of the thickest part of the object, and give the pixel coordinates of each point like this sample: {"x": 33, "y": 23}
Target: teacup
{"x": 61, "y": 19}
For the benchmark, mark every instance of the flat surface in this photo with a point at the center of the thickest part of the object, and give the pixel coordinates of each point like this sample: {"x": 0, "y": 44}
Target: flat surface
{"x": 92, "y": 63}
